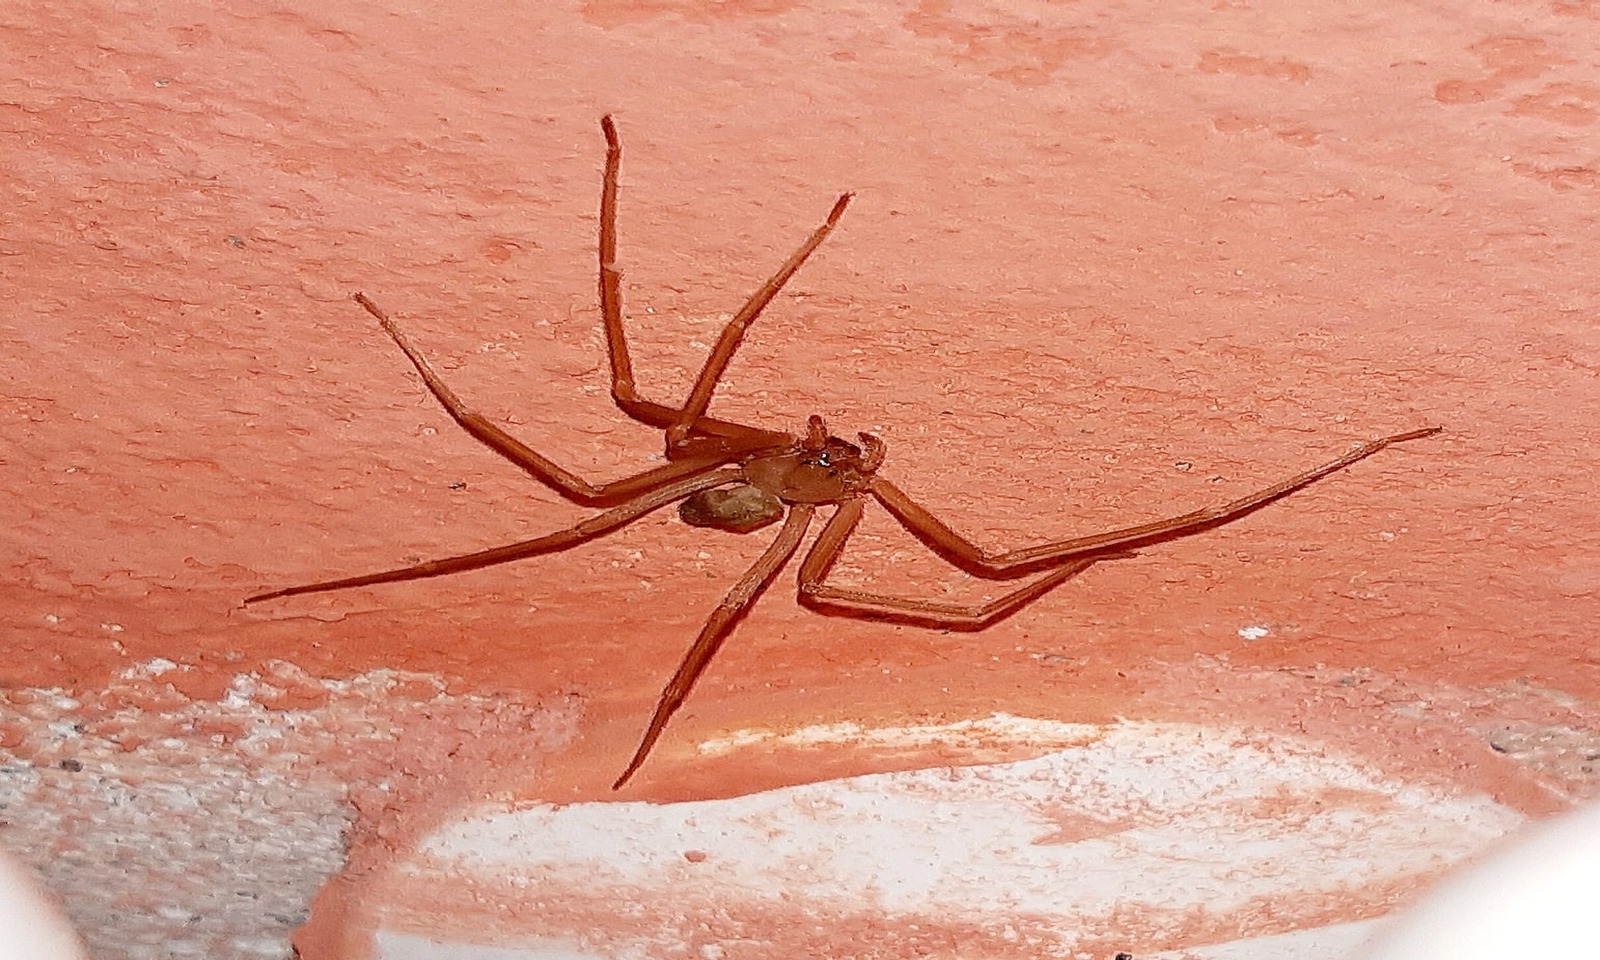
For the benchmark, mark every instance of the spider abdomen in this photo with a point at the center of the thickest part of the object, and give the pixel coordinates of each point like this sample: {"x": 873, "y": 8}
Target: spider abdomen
{"x": 738, "y": 509}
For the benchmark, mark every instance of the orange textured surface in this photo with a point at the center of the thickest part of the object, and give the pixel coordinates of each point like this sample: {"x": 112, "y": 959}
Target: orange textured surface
{"x": 1107, "y": 262}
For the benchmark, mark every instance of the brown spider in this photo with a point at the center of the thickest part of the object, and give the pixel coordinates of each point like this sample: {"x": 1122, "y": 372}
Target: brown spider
{"x": 740, "y": 478}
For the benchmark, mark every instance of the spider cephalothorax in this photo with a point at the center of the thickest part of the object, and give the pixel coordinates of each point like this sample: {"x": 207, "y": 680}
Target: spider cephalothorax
{"x": 741, "y": 478}
{"x": 820, "y": 469}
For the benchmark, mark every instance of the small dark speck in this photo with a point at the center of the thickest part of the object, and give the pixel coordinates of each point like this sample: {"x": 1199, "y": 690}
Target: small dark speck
{"x": 1124, "y": 956}
{"x": 70, "y": 765}
{"x": 1497, "y": 748}
{"x": 236, "y": 241}
{"x": 458, "y": 485}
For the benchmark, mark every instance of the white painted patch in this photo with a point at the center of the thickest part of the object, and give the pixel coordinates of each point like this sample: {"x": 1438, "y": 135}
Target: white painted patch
{"x": 1150, "y": 825}
{"x": 964, "y": 734}
{"x": 1253, "y": 633}
{"x": 401, "y": 946}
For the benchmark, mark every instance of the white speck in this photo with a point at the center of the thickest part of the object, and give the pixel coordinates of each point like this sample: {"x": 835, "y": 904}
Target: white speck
{"x": 1385, "y": 535}
{"x": 1253, "y": 633}
{"x": 113, "y": 627}
{"x": 51, "y": 618}
{"x": 160, "y": 665}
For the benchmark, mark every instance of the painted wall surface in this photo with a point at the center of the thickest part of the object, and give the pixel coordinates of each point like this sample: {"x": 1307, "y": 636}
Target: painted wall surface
{"x": 1107, "y": 262}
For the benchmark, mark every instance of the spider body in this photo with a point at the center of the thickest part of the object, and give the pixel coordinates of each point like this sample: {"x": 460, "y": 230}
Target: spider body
{"x": 740, "y": 478}
{"x": 819, "y": 469}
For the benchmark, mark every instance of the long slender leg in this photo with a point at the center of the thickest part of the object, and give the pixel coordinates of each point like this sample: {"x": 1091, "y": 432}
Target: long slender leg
{"x": 1015, "y": 563}
{"x": 541, "y": 468}
{"x": 818, "y": 595}
{"x": 718, "y": 625}
{"x": 733, "y": 333}
{"x": 623, "y": 389}
{"x": 596, "y": 526}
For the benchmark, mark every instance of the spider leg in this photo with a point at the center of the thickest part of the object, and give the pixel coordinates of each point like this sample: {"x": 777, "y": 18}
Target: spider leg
{"x": 541, "y": 468}
{"x": 716, "y": 629}
{"x": 623, "y": 390}
{"x": 816, "y": 594}
{"x": 700, "y": 396}
{"x": 596, "y": 526}
{"x": 1015, "y": 563}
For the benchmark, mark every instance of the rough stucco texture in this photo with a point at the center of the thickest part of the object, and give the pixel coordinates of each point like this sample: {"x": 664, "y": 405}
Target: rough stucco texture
{"x": 1107, "y": 262}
